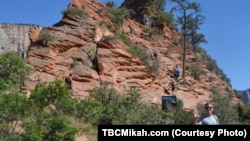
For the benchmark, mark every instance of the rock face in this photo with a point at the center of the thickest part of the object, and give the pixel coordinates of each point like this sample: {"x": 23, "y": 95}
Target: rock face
{"x": 87, "y": 49}
{"x": 245, "y": 96}
{"x": 17, "y": 37}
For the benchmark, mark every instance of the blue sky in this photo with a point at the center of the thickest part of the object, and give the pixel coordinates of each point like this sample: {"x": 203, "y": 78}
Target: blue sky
{"x": 226, "y": 28}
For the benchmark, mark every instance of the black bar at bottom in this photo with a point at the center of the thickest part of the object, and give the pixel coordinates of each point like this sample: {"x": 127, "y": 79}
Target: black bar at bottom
{"x": 173, "y": 132}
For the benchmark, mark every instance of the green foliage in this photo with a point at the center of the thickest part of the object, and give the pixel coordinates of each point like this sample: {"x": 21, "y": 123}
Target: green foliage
{"x": 160, "y": 5}
{"x": 44, "y": 38}
{"x": 55, "y": 93}
{"x": 188, "y": 19}
{"x": 196, "y": 71}
{"x": 88, "y": 110}
{"x": 225, "y": 109}
{"x": 140, "y": 53}
{"x": 104, "y": 94}
{"x": 48, "y": 126}
{"x": 144, "y": 57}
{"x": 153, "y": 69}
{"x": 150, "y": 31}
{"x": 13, "y": 71}
{"x": 110, "y": 4}
{"x": 211, "y": 78}
{"x": 244, "y": 113}
{"x": 177, "y": 41}
{"x": 202, "y": 51}
{"x": 125, "y": 39}
{"x": 58, "y": 129}
{"x": 12, "y": 106}
{"x": 181, "y": 116}
{"x": 104, "y": 106}
{"x": 155, "y": 6}
{"x": 73, "y": 12}
{"x": 166, "y": 18}
{"x": 212, "y": 65}
{"x": 136, "y": 51}
{"x": 45, "y": 123}
{"x": 32, "y": 130}
{"x": 196, "y": 39}
{"x": 117, "y": 16}
{"x": 12, "y": 109}
{"x": 224, "y": 77}
{"x": 124, "y": 109}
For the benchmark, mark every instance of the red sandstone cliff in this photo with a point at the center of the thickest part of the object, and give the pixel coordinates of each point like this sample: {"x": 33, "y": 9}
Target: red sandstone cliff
{"x": 78, "y": 40}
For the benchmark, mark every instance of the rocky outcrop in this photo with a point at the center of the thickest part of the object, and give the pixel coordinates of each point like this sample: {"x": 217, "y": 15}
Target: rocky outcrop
{"x": 17, "y": 37}
{"x": 87, "y": 49}
{"x": 245, "y": 96}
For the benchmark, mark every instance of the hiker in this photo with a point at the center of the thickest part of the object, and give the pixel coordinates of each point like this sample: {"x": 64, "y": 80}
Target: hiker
{"x": 68, "y": 81}
{"x": 130, "y": 30}
{"x": 154, "y": 53}
{"x": 208, "y": 118}
{"x": 160, "y": 27}
{"x": 176, "y": 72}
{"x": 146, "y": 22}
{"x": 170, "y": 85}
{"x": 153, "y": 24}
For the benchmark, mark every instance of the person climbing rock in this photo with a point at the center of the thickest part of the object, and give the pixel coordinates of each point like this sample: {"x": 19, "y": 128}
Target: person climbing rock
{"x": 131, "y": 30}
{"x": 171, "y": 86}
{"x": 154, "y": 53}
{"x": 68, "y": 81}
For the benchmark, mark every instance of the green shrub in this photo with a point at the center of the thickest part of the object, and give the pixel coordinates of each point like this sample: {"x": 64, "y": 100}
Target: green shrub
{"x": 244, "y": 113}
{"x": 212, "y": 65}
{"x": 177, "y": 41}
{"x": 225, "y": 109}
{"x": 196, "y": 71}
{"x": 110, "y": 4}
{"x": 13, "y": 71}
{"x": 153, "y": 69}
{"x": 125, "y": 39}
{"x": 73, "y": 12}
{"x": 117, "y": 16}
{"x": 125, "y": 109}
{"x": 140, "y": 53}
{"x": 44, "y": 38}
{"x": 150, "y": 31}
{"x": 55, "y": 93}
{"x": 211, "y": 78}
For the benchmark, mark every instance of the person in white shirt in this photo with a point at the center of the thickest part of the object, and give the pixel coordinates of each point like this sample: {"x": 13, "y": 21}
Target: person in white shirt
{"x": 208, "y": 118}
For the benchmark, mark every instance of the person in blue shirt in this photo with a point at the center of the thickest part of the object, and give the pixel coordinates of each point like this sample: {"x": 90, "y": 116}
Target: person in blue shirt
{"x": 176, "y": 72}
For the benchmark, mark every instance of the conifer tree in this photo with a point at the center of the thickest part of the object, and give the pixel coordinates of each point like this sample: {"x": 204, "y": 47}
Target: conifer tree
{"x": 186, "y": 12}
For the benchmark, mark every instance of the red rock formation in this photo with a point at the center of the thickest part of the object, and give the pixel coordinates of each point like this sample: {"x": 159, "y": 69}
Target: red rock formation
{"x": 78, "y": 40}
{"x": 34, "y": 33}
